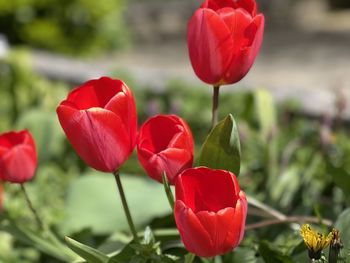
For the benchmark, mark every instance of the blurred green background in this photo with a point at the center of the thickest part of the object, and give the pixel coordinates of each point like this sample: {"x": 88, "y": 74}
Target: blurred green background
{"x": 293, "y": 160}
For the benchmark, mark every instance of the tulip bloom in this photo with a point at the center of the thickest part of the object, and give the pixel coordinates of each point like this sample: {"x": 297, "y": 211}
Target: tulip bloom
{"x": 165, "y": 144}
{"x": 224, "y": 38}
{"x": 100, "y": 121}
{"x": 210, "y": 211}
{"x": 18, "y": 158}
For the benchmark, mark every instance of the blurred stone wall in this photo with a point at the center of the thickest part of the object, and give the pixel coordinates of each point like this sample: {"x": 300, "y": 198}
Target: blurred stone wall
{"x": 153, "y": 21}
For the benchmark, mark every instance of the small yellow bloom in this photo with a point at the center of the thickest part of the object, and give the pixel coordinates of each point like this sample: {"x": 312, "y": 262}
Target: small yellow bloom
{"x": 315, "y": 241}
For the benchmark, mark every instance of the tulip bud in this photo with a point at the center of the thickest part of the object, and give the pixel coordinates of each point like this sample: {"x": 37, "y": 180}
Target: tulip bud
{"x": 100, "y": 121}
{"x": 210, "y": 211}
{"x": 18, "y": 158}
{"x": 224, "y": 38}
{"x": 165, "y": 144}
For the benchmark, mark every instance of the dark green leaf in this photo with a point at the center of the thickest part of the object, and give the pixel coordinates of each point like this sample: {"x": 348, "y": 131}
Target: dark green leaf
{"x": 271, "y": 255}
{"x": 221, "y": 149}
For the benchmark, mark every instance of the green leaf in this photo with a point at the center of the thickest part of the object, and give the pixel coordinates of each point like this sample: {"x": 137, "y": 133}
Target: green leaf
{"x": 266, "y": 112}
{"x": 93, "y": 202}
{"x": 124, "y": 255}
{"x": 39, "y": 241}
{"x": 272, "y": 255}
{"x": 88, "y": 253}
{"x": 221, "y": 149}
{"x": 343, "y": 225}
{"x": 189, "y": 257}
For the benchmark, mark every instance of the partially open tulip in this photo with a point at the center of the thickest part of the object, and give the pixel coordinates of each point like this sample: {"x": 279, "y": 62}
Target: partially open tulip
{"x": 210, "y": 211}
{"x": 224, "y": 38}
{"x": 18, "y": 158}
{"x": 165, "y": 144}
{"x": 100, "y": 121}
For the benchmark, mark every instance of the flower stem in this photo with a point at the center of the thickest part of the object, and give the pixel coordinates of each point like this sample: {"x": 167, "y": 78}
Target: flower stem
{"x": 31, "y": 207}
{"x": 215, "y": 112}
{"x": 291, "y": 219}
{"x": 168, "y": 191}
{"x": 125, "y": 206}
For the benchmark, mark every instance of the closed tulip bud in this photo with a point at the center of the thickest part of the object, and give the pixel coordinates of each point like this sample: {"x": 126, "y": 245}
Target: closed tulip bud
{"x": 165, "y": 144}
{"x": 224, "y": 38}
{"x": 18, "y": 158}
{"x": 210, "y": 211}
{"x": 100, "y": 121}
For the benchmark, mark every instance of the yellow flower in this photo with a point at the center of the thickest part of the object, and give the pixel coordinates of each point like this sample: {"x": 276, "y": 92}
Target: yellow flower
{"x": 315, "y": 241}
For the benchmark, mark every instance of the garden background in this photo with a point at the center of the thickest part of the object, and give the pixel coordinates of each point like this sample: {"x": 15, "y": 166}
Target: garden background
{"x": 292, "y": 110}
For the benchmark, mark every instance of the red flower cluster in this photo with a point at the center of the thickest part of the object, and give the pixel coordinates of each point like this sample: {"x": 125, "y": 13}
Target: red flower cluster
{"x": 99, "y": 119}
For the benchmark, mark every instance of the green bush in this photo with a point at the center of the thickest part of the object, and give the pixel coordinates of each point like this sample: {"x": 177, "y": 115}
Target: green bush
{"x": 69, "y": 26}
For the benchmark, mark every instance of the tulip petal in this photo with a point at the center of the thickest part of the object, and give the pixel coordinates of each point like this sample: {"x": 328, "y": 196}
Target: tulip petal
{"x": 236, "y": 227}
{"x": 243, "y": 60}
{"x": 123, "y": 105}
{"x": 94, "y": 93}
{"x": 248, "y": 5}
{"x": 18, "y": 164}
{"x": 193, "y": 234}
{"x": 94, "y": 134}
{"x": 237, "y": 21}
{"x": 203, "y": 189}
{"x": 210, "y": 45}
{"x": 223, "y": 229}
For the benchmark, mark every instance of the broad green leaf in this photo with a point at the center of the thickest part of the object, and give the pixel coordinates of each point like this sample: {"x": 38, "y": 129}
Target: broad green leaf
{"x": 93, "y": 202}
{"x": 266, "y": 112}
{"x": 272, "y": 255}
{"x": 343, "y": 225}
{"x": 221, "y": 149}
{"x": 88, "y": 253}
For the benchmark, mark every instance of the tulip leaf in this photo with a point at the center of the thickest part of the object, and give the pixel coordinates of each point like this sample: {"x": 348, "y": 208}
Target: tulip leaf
{"x": 221, "y": 149}
{"x": 266, "y": 112}
{"x": 343, "y": 225}
{"x": 88, "y": 253}
{"x": 273, "y": 255}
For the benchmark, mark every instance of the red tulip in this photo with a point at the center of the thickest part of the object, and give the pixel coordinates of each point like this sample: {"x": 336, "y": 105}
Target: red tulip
{"x": 224, "y": 38}
{"x": 165, "y": 145}
{"x": 18, "y": 158}
{"x": 100, "y": 121}
{"x": 210, "y": 211}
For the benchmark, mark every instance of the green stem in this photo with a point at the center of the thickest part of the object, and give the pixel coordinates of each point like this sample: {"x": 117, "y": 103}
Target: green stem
{"x": 169, "y": 193}
{"x": 31, "y": 207}
{"x": 215, "y": 109}
{"x": 125, "y": 206}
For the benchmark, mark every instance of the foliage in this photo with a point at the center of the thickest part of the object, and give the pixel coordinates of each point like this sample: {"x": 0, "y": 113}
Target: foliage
{"x": 73, "y": 27}
{"x": 289, "y": 162}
